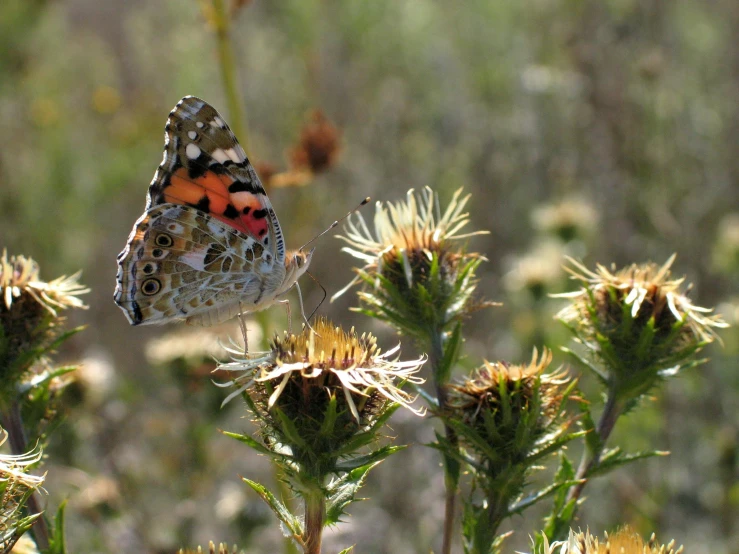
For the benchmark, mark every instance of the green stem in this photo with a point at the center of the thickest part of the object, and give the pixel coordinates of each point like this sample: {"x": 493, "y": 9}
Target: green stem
{"x": 589, "y": 460}
{"x": 227, "y": 62}
{"x": 451, "y": 476}
{"x": 13, "y": 423}
{"x": 499, "y": 497}
{"x": 315, "y": 514}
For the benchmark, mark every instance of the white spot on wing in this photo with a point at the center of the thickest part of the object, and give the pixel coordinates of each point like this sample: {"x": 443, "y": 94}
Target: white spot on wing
{"x": 195, "y": 259}
{"x": 219, "y": 155}
{"x": 192, "y": 151}
{"x": 234, "y": 155}
{"x": 218, "y": 121}
{"x": 192, "y": 134}
{"x": 265, "y": 267}
{"x": 172, "y": 213}
{"x": 216, "y": 229}
{"x": 199, "y": 124}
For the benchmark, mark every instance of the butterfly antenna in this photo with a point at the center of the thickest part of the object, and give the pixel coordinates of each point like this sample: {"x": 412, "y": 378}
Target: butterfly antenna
{"x": 335, "y": 223}
{"x": 302, "y": 310}
{"x": 325, "y": 294}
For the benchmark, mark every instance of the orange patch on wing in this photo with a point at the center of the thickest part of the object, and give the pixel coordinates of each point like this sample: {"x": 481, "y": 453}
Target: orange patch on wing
{"x": 182, "y": 190}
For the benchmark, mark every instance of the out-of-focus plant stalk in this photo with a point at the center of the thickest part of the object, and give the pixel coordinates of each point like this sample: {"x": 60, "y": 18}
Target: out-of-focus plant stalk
{"x": 221, "y": 21}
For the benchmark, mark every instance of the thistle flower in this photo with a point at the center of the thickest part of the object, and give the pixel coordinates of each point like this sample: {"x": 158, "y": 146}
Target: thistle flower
{"x": 507, "y": 417}
{"x": 638, "y": 323}
{"x": 19, "y": 279}
{"x": 16, "y": 487}
{"x": 302, "y": 373}
{"x": 29, "y": 314}
{"x": 508, "y": 409}
{"x": 417, "y": 276}
{"x": 320, "y": 398}
{"x": 623, "y": 541}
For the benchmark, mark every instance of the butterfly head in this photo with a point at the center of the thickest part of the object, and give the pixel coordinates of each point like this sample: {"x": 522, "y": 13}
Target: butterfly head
{"x": 296, "y": 263}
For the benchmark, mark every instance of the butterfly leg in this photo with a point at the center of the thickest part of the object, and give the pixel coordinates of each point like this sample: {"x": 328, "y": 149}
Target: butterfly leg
{"x": 302, "y": 310}
{"x": 242, "y": 324}
{"x": 286, "y": 302}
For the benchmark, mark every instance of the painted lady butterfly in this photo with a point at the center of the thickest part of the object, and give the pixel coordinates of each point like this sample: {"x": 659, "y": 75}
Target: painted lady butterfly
{"x": 208, "y": 245}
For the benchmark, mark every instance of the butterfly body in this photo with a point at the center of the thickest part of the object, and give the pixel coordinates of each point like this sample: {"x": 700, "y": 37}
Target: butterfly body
{"x": 209, "y": 245}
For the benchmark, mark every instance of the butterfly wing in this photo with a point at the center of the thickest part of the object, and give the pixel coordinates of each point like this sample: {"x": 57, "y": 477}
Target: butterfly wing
{"x": 182, "y": 264}
{"x": 204, "y": 166}
{"x": 209, "y": 244}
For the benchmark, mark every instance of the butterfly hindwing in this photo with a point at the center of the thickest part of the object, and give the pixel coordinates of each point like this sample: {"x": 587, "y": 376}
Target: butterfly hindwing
{"x": 205, "y": 167}
{"x": 181, "y": 264}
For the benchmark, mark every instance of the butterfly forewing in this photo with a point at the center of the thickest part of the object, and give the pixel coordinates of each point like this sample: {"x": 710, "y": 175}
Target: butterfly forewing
{"x": 205, "y": 167}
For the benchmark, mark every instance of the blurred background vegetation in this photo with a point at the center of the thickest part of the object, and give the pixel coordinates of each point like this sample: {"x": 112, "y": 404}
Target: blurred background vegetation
{"x": 605, "y": 130}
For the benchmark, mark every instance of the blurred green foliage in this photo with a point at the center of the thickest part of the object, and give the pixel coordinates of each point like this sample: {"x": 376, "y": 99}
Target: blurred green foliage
{"x": 629, "y": 106}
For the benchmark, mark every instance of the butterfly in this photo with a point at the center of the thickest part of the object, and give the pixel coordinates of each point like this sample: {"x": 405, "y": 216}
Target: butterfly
{"x": 208, "y": 245}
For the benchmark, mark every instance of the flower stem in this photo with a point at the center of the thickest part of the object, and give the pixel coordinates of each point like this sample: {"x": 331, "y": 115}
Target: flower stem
{"x": 226, "y": 59}
{"x": 590, "y": 459}
{"x": 12, "y": 422}
{"x": 451, "y": 477}
{"x": 315, "y": 513}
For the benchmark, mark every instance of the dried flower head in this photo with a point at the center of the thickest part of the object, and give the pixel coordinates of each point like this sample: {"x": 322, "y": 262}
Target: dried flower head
{"x": 318, "y": 147}
{"x": 510, "y": 407}
{"x": 265, "y": 170}
{"x": 416, "y": 272}
{"x": 16, "y": 487}
{"x": 638, "y": 322}
{"x": 623, "y": 541}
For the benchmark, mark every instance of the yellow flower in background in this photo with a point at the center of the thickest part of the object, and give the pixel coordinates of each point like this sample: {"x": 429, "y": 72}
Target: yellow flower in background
{"x": 106, "y": 100}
